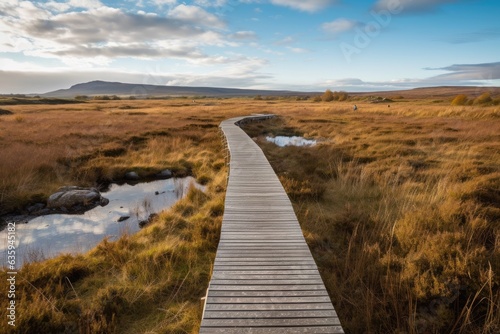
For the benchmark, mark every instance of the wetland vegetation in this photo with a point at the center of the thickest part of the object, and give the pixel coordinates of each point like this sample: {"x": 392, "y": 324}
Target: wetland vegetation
{"x": 399, "y": 205}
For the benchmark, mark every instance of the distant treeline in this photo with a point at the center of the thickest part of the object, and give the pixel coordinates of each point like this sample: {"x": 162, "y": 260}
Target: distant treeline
{"x": 14, "y": 100}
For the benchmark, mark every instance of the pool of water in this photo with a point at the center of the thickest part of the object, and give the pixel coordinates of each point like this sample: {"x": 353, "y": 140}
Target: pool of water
{"x": 47, "y": 236}
{"x": 283, "y": 141}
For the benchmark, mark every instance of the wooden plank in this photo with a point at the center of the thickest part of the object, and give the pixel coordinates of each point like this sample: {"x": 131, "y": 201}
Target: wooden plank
{"x": 272, "y": 293}
{"x": 269, "y": 300}
{"x": 269, "y": 262}
{"x": 330, "y": 321}
{"x": 242, "y": 287}
{"x": 263, "y": 272}
{"x": 273, "y": 266}
{"x": 269, "y": 314}
{"x": 273, "y": 330}
{"x": 267, "y": 281}
{"x": 269, "y": 307}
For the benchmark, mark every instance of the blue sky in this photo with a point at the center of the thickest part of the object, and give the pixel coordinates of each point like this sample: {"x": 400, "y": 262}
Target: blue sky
{"x": 364, "y": 45}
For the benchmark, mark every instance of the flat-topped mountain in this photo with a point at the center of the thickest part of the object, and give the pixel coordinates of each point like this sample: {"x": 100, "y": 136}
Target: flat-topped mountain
{"x": 127, "y": 89}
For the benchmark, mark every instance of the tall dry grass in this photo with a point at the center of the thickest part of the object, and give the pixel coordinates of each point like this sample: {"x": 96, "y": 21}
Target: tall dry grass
{"x": 94, "y": 143}
{"x": 148, "y": 282}
{"x": 151, "y": 281}
{"x": 401, "y": 213}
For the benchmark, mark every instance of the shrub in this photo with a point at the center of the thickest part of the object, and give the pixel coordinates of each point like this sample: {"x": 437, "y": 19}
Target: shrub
{"x": 459, "y": 100}
{"x": 340, "y": 96}
{"x": 483, "y": 98}
{"x": 103, "y": 97}
{"x": 327, "y": 96}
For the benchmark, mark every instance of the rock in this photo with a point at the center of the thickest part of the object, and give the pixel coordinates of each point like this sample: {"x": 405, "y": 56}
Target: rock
{"x": 68, "y": 197}
{"x": 35, "y": 208}
{"x": 16, "y": 219}
{"x": 132, "y": 176}
{"x": 122, "y": 218}
{"x": 143, "y": 223}
{"x": 5, "y": 112}
{"x": 43, "y": 212}
{"x": 165, "y": 174}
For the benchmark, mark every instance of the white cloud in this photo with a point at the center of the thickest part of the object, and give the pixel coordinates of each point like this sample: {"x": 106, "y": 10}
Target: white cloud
{"x": 285, "y": 41}
{"x": 459, "y": 75}
{"x": 161, "y": 3}
{"x": 234, "y": 70}
{"x": 211, "y": 3}
{"x": 307, "y": 6}
{"x": 468, "y": 72}
{"x": 241, "y": 72}
{"x": 88, "y": 4}
{"x": 339, "y": 26}
{"x": 57, "y": 6}
{"x": 244, "y": 35}
{"x": 298, "y": 50}
{"x": 96, "y": 36}
{"x": 7, "y": 64}
{"x": 410, "y": 6}
{"x": 196, "y": 15}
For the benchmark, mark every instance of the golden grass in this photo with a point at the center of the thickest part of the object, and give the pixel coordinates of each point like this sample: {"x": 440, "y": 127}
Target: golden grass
{"x": 148, "y": 282}
{"x": 399, "y": 205}
{"x": 403, "y": 222}
{"x": 96, "y": 142}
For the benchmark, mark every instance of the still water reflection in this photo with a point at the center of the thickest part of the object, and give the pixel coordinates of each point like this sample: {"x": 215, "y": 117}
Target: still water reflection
{"x": 50, "y": 235}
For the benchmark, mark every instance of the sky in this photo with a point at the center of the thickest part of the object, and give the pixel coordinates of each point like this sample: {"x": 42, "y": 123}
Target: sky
{"x": 365, "y": 45}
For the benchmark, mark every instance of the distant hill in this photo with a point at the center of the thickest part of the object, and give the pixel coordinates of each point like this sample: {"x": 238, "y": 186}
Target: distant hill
{"x": 125, "y": 89}
{"x": 434, "y": 92}
{"x": 94, "y": 88}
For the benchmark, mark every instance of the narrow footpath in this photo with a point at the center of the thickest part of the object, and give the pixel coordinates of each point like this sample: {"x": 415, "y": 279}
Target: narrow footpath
{"x": 264, "y": 278}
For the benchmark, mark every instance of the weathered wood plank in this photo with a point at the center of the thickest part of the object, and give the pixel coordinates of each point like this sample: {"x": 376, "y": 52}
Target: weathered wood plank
{"x": 273, "y": 330}
{"x": 269, "y": 314}
{"x": 270, "y": 300}
{"x": 272, "y": 322}
{"x": 263, "y": 267}
{"x": 272, "y": 293}
{"x": 286, "y": 287}
{"x": 269, "y": 307}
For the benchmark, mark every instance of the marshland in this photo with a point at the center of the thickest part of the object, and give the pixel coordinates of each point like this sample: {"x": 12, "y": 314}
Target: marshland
{"x": 399, "y": 204}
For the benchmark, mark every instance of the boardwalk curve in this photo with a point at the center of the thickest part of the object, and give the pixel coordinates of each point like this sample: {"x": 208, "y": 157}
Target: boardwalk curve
{"x": 264, "y": 278}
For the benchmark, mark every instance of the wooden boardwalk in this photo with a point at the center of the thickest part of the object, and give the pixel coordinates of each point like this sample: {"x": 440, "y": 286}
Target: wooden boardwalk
{"x": 264, "y": 278}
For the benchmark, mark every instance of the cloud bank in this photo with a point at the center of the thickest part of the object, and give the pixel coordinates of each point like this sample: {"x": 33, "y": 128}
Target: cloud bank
{"x": 110, "y": 32}
{"x": 459, "y": 75}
